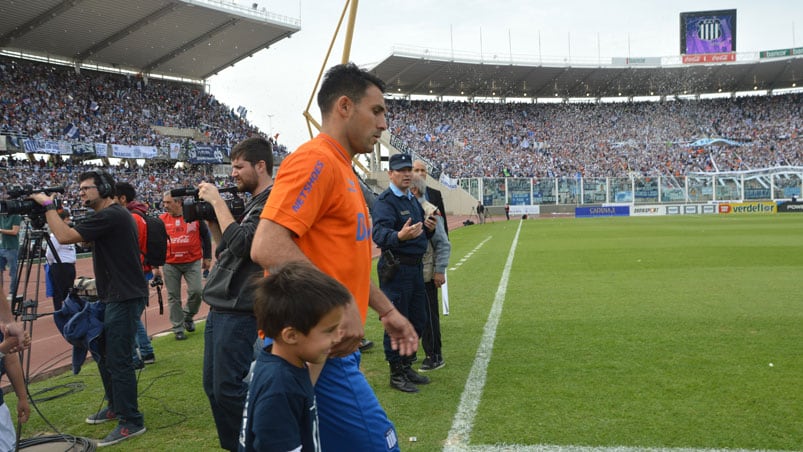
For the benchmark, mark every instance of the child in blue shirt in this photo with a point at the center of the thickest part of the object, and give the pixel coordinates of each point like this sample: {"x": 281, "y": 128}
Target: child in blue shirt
{"x": 300, "y": 308}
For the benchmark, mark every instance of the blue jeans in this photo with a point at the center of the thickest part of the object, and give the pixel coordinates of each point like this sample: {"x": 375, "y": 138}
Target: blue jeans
{"x": 228, "y": 351}
{"x": 115, "y": 365}
{"x": 9, "y": 257}
{"x": 142, "y": 342}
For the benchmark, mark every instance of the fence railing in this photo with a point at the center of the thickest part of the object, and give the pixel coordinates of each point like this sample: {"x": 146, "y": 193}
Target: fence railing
{"x": 774, "y": 184}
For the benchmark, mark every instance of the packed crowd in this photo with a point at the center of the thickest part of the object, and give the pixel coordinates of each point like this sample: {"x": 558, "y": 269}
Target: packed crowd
{"x": 474, "y": 139}
{"x": 55, "y": 102}
{"x": 150, "y": 181}
{"x": 463, "y": 139}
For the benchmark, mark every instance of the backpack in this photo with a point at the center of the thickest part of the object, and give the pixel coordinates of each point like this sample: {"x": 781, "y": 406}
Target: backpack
{"x": 155, "y": 242}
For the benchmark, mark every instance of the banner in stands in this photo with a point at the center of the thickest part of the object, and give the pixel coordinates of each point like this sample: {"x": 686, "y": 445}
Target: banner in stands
{"x": 748, "y": 207}
{"x": 101, "y": 150}
{"x": 175, "y": 150}
{"x": 85, "y": 149}
{"x": 604, "y": 211}
{"x": 47, "y": 146}
{"x": 133, "y": 152}
{"x": 205, "y": 154}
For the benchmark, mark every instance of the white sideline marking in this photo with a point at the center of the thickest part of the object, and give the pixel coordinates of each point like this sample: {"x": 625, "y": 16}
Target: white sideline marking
{"x": 553, "y": 448}
{"x": 472, "y": 393}
{"x": 463, "y": 422}
{"x": 470, "y": 253}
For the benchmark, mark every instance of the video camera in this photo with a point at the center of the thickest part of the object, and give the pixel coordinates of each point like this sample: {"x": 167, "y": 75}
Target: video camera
{"x": 29, "y": 207}
{"x": 195, "y": 209}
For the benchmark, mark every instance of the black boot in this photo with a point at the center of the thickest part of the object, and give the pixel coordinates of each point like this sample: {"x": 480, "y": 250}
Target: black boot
{"x": 398, "y": 378}
{"x": 413, "y": 376}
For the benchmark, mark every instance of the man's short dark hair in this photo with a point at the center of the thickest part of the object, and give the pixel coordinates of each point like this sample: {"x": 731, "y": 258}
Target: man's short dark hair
{"x": 127, "y": 190}
{"x": 345, "y": 80}
{"x": 297, "y": 295}
{"x": 253, "y": 150}
{"x": 104, "y": 181}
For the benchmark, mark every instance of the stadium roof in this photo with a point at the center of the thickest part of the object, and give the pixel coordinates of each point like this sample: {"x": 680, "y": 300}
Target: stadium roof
{"x": 427, "y": 74}
{"x": 179, "y": 38}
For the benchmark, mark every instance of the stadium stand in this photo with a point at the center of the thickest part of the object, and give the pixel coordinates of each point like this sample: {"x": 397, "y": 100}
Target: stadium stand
{"x": 54, "y": 102}
{"x": 673, "y": 137}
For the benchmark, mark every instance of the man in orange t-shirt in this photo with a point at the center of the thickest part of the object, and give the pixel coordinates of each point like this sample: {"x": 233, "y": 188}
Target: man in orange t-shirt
{"x": 317, "y": 213}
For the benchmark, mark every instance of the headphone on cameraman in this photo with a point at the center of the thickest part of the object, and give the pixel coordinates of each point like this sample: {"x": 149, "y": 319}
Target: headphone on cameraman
{"x": 106, "y": 185}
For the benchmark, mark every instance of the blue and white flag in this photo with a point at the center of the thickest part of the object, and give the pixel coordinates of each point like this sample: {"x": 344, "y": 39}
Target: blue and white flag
{"x": 71, "y": 131}
{"x": 448, "y": 181}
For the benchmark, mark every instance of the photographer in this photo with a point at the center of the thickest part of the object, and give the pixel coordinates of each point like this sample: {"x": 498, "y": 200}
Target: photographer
{"x": 231, "y": 329}
{"x": 121, "y": 287}
{"x": 189, "y": 251}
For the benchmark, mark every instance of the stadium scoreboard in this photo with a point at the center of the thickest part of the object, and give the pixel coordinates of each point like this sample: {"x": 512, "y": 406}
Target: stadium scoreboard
{"x": 708, "y": 32}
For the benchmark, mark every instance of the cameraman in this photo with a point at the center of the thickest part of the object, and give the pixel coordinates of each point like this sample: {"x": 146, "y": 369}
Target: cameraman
{"x": 231, "y": 329}
{"x": 121, "y": 287}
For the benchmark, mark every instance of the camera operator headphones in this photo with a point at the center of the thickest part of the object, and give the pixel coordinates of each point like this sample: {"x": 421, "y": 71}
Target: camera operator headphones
{"x": 106, "y": 185}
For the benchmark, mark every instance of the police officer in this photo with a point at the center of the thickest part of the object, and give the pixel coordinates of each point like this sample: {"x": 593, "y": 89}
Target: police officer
{"x": 402, "y": 232}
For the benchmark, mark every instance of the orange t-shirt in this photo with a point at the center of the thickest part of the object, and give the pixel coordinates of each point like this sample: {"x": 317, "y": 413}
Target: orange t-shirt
{"x": 317, "y": 196}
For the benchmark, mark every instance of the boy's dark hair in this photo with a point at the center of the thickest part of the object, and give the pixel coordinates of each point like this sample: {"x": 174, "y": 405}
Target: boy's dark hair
{"x": 345, "y": 80}
{"x": 127, "y": 190}
{"x": 253, "y": 150}
{"x": 297, "y": 295}
{"x": 102, "y": 180}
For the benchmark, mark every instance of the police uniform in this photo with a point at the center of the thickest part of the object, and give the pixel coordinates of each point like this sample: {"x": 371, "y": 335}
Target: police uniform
{"x": 404, "y": 285}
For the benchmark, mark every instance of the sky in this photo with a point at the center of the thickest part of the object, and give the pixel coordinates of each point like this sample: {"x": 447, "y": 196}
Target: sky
{"x": 275, "y": 84}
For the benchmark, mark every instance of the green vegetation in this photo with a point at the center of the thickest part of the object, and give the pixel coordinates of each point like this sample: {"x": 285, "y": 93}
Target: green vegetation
{"x": 652, "y": 332}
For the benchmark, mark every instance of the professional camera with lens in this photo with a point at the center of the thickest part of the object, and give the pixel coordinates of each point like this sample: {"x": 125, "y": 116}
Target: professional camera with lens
{"x": 26, "y": 206}
{"x": 195, "y": 209}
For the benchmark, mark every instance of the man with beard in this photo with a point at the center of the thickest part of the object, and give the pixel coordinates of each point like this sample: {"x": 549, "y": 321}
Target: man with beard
{"x": 231, "y": 329}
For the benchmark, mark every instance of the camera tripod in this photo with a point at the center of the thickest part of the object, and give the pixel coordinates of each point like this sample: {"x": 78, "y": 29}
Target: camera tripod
{"x": 25, "y": 307}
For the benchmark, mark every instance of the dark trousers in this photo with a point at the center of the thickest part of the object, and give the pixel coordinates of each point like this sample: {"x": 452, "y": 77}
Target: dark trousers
{"x": 431, "y": 337}
{"x": 116, "y": 366}
{"x": 62, "y": 278}
{"x": 228, "y": 351}
{"x": 406, "y": 291}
